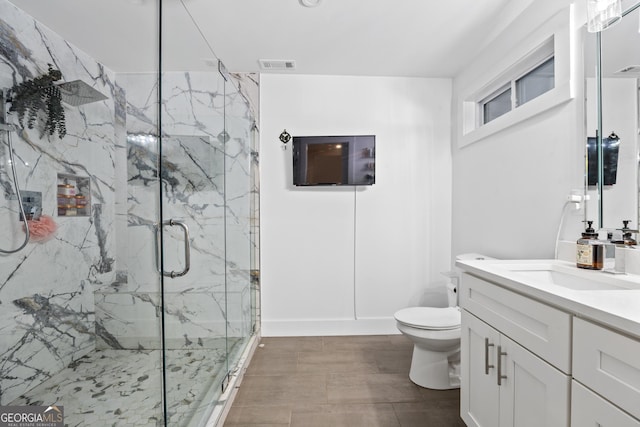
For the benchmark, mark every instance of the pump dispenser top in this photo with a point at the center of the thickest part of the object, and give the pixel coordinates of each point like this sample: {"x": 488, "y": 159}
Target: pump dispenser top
{"x": 589, "y": 232}
{"x": 627, "y": 234}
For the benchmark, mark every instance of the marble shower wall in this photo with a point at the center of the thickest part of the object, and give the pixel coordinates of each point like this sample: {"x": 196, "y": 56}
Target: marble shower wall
{"x": 47, "y": 289}
{"x": 249, "y": 87}
{"x": 199, "y": 153}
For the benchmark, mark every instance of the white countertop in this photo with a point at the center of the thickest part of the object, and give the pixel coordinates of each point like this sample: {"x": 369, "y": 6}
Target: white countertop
{"x": 616, "y": 308}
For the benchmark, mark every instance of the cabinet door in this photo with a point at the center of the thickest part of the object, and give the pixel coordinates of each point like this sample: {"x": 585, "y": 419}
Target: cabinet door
{"x": 532, "y": 392}
{"x": 608, "y": 363}
{"x": 479, "y": 396}
{"x": 590, "y": 410}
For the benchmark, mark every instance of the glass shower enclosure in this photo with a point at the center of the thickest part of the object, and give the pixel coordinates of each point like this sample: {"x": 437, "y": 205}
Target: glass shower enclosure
{"x": 132, "y": 300}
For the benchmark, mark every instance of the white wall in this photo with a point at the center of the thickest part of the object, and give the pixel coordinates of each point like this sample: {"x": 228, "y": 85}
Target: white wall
{"x": 510, "y": 188}
{"x": 339, "y": 261}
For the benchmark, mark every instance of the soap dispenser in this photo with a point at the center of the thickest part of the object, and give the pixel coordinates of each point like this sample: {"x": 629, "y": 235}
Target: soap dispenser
{"x": 589, "y": 250}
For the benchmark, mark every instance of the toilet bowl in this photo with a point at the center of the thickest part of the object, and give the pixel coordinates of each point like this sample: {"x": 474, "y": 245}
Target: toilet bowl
{"x": 435, "y": 332}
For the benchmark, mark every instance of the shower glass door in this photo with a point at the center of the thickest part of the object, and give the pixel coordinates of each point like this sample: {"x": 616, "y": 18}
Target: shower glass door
{"x": 193, "y": 237}
{"x": 205, "y": 193}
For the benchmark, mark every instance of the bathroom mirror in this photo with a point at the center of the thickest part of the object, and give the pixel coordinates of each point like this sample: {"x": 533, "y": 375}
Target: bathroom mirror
{"x": 612, "y": 71}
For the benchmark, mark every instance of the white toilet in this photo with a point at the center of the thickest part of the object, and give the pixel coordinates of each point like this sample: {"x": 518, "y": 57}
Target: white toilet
{"x": 435, "y": 332}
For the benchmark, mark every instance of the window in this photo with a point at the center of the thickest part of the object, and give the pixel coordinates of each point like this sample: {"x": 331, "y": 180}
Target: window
{"x": 497, "y": 106}
{"x": 531, "y": 84}
{"x": 535, "y": 82}
{"x": 518, "y": 76}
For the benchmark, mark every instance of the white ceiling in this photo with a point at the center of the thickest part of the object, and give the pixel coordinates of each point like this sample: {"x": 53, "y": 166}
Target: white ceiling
{"x": 425, "y": 38}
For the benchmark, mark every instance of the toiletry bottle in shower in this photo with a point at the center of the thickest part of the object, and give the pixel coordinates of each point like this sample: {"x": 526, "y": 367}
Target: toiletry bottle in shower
{"x": 589, "y": 250}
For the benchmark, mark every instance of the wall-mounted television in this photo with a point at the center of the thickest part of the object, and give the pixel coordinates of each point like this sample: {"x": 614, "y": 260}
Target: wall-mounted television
{"x": 610, "y": 148}
{"x": 334, "y": 160}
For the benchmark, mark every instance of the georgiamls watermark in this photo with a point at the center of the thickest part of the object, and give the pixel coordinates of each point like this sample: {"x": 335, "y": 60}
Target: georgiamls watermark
{"x": 31, "y": 416}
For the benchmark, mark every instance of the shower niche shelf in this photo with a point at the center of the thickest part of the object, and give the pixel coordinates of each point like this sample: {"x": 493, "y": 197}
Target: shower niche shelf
{"x": 74, "y": 195}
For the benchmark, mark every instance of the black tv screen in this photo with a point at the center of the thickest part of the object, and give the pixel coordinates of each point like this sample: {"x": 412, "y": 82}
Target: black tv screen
{"x": 610, "y": 147}
{"x": 334, "y": 160}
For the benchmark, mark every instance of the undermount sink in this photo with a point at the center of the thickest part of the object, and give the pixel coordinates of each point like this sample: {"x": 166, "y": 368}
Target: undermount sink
{"x": 566, "y": 277}
{"x": 567, "y": 280}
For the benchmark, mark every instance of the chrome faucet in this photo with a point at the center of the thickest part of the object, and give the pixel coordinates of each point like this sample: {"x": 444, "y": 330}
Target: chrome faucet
{"x": 619, "y": 263}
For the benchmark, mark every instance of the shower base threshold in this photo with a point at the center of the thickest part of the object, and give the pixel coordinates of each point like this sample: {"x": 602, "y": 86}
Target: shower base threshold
{"x": 124, "y": 387}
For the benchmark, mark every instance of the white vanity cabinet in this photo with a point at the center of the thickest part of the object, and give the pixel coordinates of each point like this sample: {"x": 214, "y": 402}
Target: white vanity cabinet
{"x": 566, "y": 341}
{"x": 512, "y": 348}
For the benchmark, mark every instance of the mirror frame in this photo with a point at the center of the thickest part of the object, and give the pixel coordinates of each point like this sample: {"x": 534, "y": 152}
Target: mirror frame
{"x": 599, "y": 151}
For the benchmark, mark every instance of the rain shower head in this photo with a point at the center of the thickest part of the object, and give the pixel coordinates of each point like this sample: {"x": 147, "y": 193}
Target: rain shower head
{"x": 78, "y": 93}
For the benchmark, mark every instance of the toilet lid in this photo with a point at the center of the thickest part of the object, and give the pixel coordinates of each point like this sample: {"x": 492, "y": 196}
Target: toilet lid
{"x": 430, "y": 317}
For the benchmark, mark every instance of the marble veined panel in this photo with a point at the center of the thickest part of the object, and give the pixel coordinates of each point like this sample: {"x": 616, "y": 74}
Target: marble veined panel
{"x": 195, "y": 317}
{"x": 239, "y": 310}
{"x": 48, "y": 332}
{"x": 140, "y": 264}
{"x": 238, "y": 251}
{"x": 201, "y": 161}
{"x": 131, "y": 320}
{"x": 249, "y": 87}
{"x": 194, "y": 104}
{"x": 141, "y": 102}
{"x": 207, "y": 256}
{"x": 128, "y": 320}
{"x": 124, "y": 387}
{"x": 46, "y": 290}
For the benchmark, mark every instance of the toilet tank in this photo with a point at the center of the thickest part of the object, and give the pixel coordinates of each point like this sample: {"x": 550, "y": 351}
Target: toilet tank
{"x": 454, "y": 276}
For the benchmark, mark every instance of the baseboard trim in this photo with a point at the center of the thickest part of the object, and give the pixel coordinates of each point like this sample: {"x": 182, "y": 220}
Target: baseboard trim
{"x": 329, "y": 327}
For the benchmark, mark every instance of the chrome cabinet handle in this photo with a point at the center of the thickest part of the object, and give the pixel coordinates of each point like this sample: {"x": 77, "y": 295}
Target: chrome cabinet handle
{"x": 187, "y": 249}
{"x": 500, "y": 376}
{"x": 487, "y": 366}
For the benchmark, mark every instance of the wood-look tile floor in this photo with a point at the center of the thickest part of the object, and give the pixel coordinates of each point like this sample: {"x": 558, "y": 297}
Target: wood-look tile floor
{"x": 354, "y": 381}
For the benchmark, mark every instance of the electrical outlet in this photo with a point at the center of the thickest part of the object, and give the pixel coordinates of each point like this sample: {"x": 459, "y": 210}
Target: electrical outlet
{"x": 577, "y": 196}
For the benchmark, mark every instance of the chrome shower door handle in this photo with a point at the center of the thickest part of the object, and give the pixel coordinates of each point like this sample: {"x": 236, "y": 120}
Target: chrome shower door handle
{"x": 187, "y": 250}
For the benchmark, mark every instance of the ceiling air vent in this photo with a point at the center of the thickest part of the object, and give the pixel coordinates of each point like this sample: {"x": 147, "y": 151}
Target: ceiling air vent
{"x": 277, "y": 64}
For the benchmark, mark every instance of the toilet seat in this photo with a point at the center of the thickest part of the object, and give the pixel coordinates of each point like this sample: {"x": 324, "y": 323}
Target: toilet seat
{"x": 430, "y": 318}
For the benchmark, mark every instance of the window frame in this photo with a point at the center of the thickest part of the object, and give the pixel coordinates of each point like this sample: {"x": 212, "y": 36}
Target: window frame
{"x": 509, "y": 80}
{"x": 500, "y": 59}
